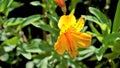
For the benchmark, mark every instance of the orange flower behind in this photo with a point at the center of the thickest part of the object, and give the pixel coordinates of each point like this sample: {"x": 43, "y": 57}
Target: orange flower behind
{"x": 70, "y": 37}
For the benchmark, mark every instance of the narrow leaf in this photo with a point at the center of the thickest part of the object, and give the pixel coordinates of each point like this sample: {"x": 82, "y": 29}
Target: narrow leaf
{"x": 102, "y": 18}
{"x": 116, "y": 23}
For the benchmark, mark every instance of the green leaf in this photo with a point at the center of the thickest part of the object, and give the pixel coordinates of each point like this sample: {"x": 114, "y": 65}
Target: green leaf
{"x": 73, "y": 4}
{"x": 4, "y": 4}
{"x": 8, "y": 5}
{"x": 2, "y": 51}
{"x": 38, "y": 46}
{"x": 29, "y": 64}
{"x": 93, "y": 19}
{"x": 11, "y": 41}
{"x": 13, "y": 5}
{"x": 112, "y": 55}
{"x": 27, "y": 55}
{"x": 115, "y": 46}
{"x": 99, "y": 52}
{"x": 34, "y": 46}
{"x": 86, "y": 53}
{"x": 13, "y": 22}
{"x": 9, "y": 48}
{"x": 4, "y": 57}
{"x": 96, "y": 32}
{"x": 63, "y": 64}
{"x": 101, "y": 17}
{"x": 35, "y": 3}
{"x": 105, "y": 23}
{"x": 43, "y": 26}
{"x": 9, "y": 21}
{"x": 44, "y": 62}
{"x": 21, "y": 22}
{"x": 111, "y": 37}
{"x": 43, "y": 45}
{"x": 116, "y": 24}
{"x": 28, "y": 20}
{"x": 22, "y": 50}
{"x": 53, "y": 21}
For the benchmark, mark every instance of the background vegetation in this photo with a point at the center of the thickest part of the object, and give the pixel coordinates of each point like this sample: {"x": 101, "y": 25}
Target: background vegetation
{"x": 28, "y": 32}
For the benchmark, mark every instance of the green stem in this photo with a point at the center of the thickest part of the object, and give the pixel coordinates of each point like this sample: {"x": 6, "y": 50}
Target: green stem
{"x": 116, "y": 23}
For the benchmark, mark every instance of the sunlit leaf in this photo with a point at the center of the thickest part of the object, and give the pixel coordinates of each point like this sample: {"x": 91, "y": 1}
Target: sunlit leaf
{"x": 29, "y": 64}
{"x": 4, "y": 57}
{"x": 34, "y": 46}
{"x": 102, "y": 18}
{"x": 44, "y": 62}
{"x": 22, "y": 50}
{"x": 93, "y": 19}
{"x": 28, "y": 21}
{"x": 13, "y": 22}
{"x": 4, "y": 4}
{"x": 35, "y": 3}
{"x": 102, "y": 21}
{"x": 86, "y": 53}
{"x": 9, "y": 48}
{"x": 7, "y": 5}
{"x": 43, "y": 26}
{"x": 27, "y": 55}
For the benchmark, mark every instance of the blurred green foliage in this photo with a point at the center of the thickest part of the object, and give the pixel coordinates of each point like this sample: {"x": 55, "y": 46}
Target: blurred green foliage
{"x": 40, "y": 53}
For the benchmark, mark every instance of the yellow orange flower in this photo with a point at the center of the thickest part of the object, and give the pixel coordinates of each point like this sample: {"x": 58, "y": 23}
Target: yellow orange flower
{"x": 70, "y": 37}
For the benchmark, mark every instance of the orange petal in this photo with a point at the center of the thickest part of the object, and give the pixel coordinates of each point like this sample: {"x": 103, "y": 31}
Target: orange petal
{"x": 60, "y": 45}
{"x": 82, "y": 40}
{"x": 72, "y": 48}
{"x": 65, "y": 42}
{"x": 66, "y": 21}
{"x": 80, "y": 24}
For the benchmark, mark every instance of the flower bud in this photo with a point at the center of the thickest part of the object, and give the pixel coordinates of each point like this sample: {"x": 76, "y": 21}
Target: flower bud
{"x": 62, "y": 5}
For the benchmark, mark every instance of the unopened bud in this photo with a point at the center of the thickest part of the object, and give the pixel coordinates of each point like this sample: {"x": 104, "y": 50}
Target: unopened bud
{"x": 62, "y": 5}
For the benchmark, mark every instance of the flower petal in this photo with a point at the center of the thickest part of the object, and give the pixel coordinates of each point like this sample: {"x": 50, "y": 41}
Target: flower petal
{"x": 81, "y": 40}
{"x": 60, "y": 45}
{"x": 66, "y": 21}
{"x": 71, "y": 47}
{"x": 65, "y": 42}
{"x": 80, "y": 24}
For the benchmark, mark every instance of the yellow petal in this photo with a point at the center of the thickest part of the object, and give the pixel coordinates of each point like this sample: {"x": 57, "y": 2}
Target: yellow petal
{"x": 79, "y": 25}
{"x": 81, "y": 40}
{"x": 66, "y": 21}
